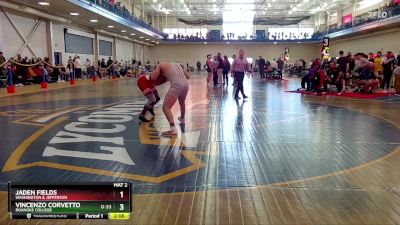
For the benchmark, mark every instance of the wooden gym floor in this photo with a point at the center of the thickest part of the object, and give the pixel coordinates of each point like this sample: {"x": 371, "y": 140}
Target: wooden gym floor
{"x": 277, "y": 158}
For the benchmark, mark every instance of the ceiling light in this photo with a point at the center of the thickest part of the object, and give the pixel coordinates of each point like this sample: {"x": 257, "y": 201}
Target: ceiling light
{"x": 141, "y": 37}
{"x": 306, "y": 0}
{"x": 123, "y": 31}
{"x": 110, "y": 26}
{"x": 147, "y": 39}
{"x": 94, "y": 21}
{"x": 133, "y": 34}
{"x": 43, "y": 3}
{"x": 269, "y": 5}
{"x": 74, "y": 14}
{"x": 182, "y": 1}
{"x": 205, "y": 43}
{"x": 154, "y": 1}
{"x": 290, "y": 12}
{"x": 263, "y": 13}
{"x": 228, "y": 43}
{"x": 153, "y": 41}
{"x": 157, "y": 42}
{"x": 275, "y": 43}
{"x": 273, "y": 0}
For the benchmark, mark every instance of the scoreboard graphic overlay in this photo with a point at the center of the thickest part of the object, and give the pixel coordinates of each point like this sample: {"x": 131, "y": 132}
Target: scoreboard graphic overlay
{"x": 70, "y": 201}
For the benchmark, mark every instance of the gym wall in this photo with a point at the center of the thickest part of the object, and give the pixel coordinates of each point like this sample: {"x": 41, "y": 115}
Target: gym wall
{"x": 382, "y": 40}
{"x": 191, "y": 53}
{"x": 10, "y": 40}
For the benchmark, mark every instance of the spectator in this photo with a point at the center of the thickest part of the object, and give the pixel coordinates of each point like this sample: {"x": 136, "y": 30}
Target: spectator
{"x": 109, "y": 65}
{"x": 273, "y": 64}
{"x": 388, "y": 66}
{"x": 261, "y": 66}
{"x": 280, "y": 63}
{"x": 89, "y": 68}
{"x": 70, "y": 59}
{"x": 361, "y": 65}
{"x": 371, "y": 57}
{"x": 351, "y": 62}
{"x": 198, "y": 64}
{"x": 378, "y": 69}
{"x": 78, "y": 67}
{"x": 344, "y": 64}
{"x": 317, "y": 79}
{"x": 398, "y": 58}
{"x": 63, "y": 73}
{"x": 226, "y": 69}
{"x": 334, "y": 76}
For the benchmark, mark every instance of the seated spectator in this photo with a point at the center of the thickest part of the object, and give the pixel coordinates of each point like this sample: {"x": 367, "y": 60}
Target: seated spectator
{"x": 334, "y": 77}
{"x": 307, "y": 79}
{"x": 63, "y": 73}
{"x": 318, "y": 79}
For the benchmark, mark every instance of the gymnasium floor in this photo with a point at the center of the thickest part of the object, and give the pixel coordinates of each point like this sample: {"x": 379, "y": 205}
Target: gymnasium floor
{"x": 277, "y": 158}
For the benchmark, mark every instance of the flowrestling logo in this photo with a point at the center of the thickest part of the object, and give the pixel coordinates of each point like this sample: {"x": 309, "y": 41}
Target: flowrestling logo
{"x": 104, "y": 140}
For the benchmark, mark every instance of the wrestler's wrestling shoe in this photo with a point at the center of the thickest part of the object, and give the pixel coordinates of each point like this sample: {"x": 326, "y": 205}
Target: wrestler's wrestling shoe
{"x": 152, "y": 111}
{"x": 143, "y": 119}
{"x": 171, "y": 132}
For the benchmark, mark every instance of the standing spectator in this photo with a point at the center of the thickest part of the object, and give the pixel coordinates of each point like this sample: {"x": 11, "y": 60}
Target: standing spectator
{"x": 70, "y": 60}
{"x": 261, "y": 66}
{"x": 198, "y": 66}
{"x": 215, "y": 70}
{"x": 109, "y": 64}
{"x": 352, "y": 63}
{"x": 280, "y": 63}
{"x": 240, "y": 65}
{"x": 344, "y": 65}
{"x": 209, "y": 68}
{"x": 398, "y": 58}
{"x": 78, "y": 67}
{"x": 388, "y": 66}
{"x": 371, "y": 57}
{"x": 226, "y": 68}
{"x": 89, "y": 68}
{"x": 378, "y": 68}
{"x": 70, "y": 70}
{"x": 220, "y": 68}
